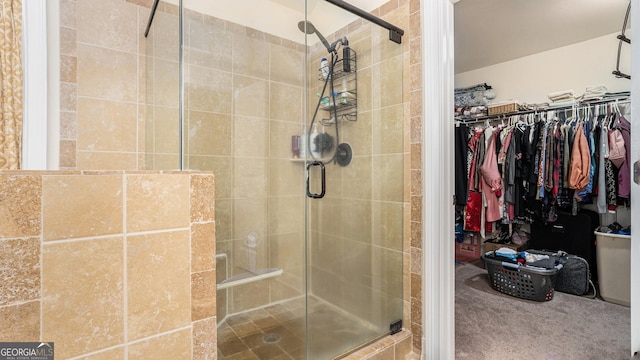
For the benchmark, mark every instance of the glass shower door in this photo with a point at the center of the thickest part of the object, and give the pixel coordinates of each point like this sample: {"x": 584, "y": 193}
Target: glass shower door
{"x": 354, "y": 231}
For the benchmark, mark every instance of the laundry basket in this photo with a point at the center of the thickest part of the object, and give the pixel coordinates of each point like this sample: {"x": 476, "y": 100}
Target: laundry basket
{"x": 520, "y": 280}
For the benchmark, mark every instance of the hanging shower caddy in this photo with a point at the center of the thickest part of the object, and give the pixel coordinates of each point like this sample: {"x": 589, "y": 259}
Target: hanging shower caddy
{"x": 344, "y": 97}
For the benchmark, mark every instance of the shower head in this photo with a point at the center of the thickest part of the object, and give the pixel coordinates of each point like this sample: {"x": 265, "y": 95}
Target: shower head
{"x": 308, "y": 28}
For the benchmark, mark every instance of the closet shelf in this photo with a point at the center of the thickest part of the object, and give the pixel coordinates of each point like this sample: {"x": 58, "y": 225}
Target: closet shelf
{"x": 619, "y": 99}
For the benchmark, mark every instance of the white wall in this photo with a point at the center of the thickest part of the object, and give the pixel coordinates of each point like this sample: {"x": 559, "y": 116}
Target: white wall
{"x": 531, "y": 78}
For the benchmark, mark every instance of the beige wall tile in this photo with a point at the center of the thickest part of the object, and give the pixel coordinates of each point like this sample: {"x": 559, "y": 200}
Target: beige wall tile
{"x": 69, "y": 125}
{"x": 148, "y": 199}
{"x": 68, "y": 68}
{"x": 68, "y": 13}
{"x": 202, "y": 198}
{"x": 250, "y": 137}
{"x": 251, "y": 57}
{"x": 358, "y": 263}
{"x": 287, "y": 252}
{"x": 91, "y": 160}
{"x": 358, "y": 219}
{"x": 387, "y": 224}
{"x": 164, "y": 136}
{"x": 386, "y": 354}
{"x": 327, "y": 253}
{"x": 287, "y": 65}
{"x": 208, "y": 90}
{"x": 82, "y": 295}
{"x": 249, "y": 177}
{"x": 158, "y": 283}
{"x": 163, "y": 82}
{"x": 20, "y": 212}
{"x": 224, "y": 221}
{"x": 286, "y": 178}
{"x": 112, "y": 354}
{"x": 105, "y": 125}
{"x": 203, "y": 247}
{"x": 165, "y": 162}
{"x": 106, "y": 74}
{"x": 20, "y": 322}
{"x": 203, "y": 295}
{"x": 144, "y": 3}
{"x": 388, "y": 130}
{"x": 208, "y": 44}
{"x": 204, "y": 339}
{"x": 19, "y": 270}
{"x": 285, "y": 288}
{"x": 250, "y": 96}
{"x": 175, "y": 346}
{"x": 357, "y": 178}
{"x": 387, "y": 271}
{"x": 285, "y": 102}
{"x": 209, "y": 133}
{"x": 165, "y": 36}
{"x": 249, "y": 215}
{"x": 240, "y": 253}
{"x": 365, "y": 90}
{"x": 286, "y": 215}
{"x": 68, "y": 154}
{"x": 80, "y": 206}
{"x": 221, "y": 166}
{"x": 109, "y": 23}
{"x": 280, "y": 133}
{"x": 245, "y": 297}
{"x": 68, "y": 96}
{"x": 389, "y": 184}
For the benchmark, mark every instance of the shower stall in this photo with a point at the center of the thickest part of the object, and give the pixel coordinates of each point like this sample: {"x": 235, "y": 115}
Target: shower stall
{"x": 309, "y": 161}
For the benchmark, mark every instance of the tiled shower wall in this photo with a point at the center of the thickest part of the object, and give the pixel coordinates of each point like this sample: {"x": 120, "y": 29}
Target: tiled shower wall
{"x": 103, "y": 96}
{"x": 95, "y": 262}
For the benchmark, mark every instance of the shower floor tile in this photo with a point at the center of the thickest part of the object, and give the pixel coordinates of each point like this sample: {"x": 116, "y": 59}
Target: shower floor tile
{"x": 278, "y": 332}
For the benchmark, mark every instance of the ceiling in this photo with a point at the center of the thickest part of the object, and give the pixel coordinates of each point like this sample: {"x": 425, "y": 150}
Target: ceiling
{"x": 489, "y": 32}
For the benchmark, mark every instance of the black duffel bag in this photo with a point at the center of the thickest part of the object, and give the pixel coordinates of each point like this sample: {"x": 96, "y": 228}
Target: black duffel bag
{"x": 574, "y": 277}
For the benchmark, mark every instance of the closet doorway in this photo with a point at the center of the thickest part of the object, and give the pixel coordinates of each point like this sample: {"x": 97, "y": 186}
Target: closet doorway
{"x": 494, "y": 45}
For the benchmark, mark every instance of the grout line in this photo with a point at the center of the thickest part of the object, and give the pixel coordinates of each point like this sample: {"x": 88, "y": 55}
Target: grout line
{"x": 125, "y": 274}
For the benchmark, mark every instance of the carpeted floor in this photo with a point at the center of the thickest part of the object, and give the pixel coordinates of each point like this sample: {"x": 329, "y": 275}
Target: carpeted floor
{"x": 491, "y": 325}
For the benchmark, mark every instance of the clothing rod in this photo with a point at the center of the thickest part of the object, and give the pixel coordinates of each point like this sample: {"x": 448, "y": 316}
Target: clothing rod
{"x": 619, "y": 100}
{"x": 395, "y": 33}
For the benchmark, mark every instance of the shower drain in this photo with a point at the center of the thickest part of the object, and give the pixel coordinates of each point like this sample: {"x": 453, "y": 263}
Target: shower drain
{"x": 271, "y": 338}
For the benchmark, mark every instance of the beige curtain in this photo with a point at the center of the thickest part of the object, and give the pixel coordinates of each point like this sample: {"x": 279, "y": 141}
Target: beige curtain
{"x": 11, "y": 78}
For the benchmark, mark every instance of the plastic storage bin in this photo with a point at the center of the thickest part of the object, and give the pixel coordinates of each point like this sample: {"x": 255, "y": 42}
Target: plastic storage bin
{"x": 613, "y": 255}
{"x": 520, "y": 280}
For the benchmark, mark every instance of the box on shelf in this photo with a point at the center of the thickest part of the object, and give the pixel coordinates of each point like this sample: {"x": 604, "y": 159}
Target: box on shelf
{"x": 502, "y": 108}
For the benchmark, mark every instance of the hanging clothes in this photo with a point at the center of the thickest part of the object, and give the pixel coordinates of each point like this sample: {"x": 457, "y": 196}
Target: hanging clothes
{"x": 603, "y": 154}
{"x": 461, "y": 174}
{"x": 624, "y": 176}
{"x": 580, "y": 161}
{"x": 491, "y": 182}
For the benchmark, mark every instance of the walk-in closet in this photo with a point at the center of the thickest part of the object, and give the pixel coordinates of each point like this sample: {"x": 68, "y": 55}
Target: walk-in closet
{"x": 543, "y": 179}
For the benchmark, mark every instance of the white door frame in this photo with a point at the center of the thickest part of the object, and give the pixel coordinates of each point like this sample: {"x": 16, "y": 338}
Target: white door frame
{"x": 635, "y": 188}
{"x": 438, "y": 291}
{"x": 438, "y": 339}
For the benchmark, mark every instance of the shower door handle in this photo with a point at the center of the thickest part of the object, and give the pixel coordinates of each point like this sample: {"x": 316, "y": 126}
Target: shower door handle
{"x": 322, "y": 176}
